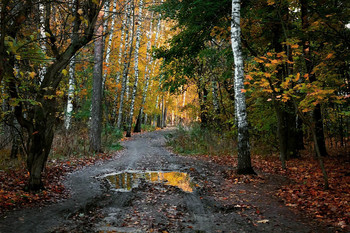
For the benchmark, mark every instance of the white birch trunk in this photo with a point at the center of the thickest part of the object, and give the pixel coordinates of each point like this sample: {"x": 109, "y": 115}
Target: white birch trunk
{"x": 109, "y": 43}
{"x": 71, "y": 84}
{"x": 136, "y": 67}
{"x": 244, "y": 161}
{"x": 144, "y": 95}
{"x": 130, "y": 20}
{"x": 148, "y": 71}
{"x": 155, "y": 116}
{"x": 42, "y": 70}
{"x": 125, "y": 20}
{"x": 183, "y": 106}
{"x": 71, "y": 89}
{"x": 145, "y": 120}
{"x": 215, "y": 95}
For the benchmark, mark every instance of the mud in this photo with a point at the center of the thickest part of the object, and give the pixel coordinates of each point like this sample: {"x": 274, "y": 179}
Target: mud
{"x": 156, "y": 203}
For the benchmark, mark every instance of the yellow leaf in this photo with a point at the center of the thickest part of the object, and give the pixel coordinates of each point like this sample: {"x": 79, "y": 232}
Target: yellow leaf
{"x": 80, "y": 11}
{"x": 294, "y": 46}
{"x": 258, "y": 60}
{"x": 263, "y": 221}
{"x": 269, "y": 54}
{"x": 64, "y": 72}
{"x": 297, "y": 77}
{"x": 267, "y": 75}
{"x": 270, "y": 2}
{"x": 32, "y": 74}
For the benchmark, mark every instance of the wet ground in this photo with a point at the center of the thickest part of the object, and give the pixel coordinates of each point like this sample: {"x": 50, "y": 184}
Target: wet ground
{"x": 147, "y": 188}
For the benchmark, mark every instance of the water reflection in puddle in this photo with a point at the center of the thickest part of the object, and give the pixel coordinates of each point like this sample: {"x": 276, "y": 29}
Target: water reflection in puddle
{"x": 127, "y": 180}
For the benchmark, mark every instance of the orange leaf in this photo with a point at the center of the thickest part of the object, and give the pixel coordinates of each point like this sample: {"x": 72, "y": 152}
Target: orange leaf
{"x": 329, "y": 56}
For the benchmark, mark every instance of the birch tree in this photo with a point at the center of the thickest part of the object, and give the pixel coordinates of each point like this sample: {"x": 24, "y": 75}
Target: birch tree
{"x": 244, "y": 161}
{"x": 214, "y": 90}
{"x": 71, "y": 88}
{"x": 71, "y": 84}
{"x": 148, "y": 69}
{"x": 109, "y": 43}
{"x": 126, "y": 65}
{"x": 42, "y": 70}
{"x": 136, "y": 67}
{"x": 120, "y": 55}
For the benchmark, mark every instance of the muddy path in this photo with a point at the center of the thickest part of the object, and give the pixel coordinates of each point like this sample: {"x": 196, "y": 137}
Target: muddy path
{"x": 147, "y": 188}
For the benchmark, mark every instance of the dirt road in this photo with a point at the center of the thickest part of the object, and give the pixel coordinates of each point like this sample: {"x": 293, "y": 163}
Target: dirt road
{"x": 146, "y": 188}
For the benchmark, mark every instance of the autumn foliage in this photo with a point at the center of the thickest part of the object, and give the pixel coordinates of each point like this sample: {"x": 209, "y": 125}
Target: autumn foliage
{"x": 305, "y": 191}
{"x": 13, "y": 182}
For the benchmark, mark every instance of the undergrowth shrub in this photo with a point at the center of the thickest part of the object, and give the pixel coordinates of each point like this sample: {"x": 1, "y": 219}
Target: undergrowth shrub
{"x": 111, "y": 137}
{"x": 196, "y": 140}
{"x": 75, "y": 143}
{"x": 148, "y": 128}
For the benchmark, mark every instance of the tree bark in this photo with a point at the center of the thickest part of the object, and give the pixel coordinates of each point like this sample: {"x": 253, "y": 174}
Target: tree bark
{"x": 71, "y": 88}
{"x": 109, "y": 43}
{"x": 96, "y": 99}
{"x": 162, "y": 114}
{"x": 136, "y": 68}
{"x": 148, "y": 69}
{"x": 123, "y": 29}
{"x": 317, "y": 114}
{"x": 244, "y": 161}
{"x": 42, "y": 70}
{"x": 127, "y": 58}
{"x": 287, "y": 132}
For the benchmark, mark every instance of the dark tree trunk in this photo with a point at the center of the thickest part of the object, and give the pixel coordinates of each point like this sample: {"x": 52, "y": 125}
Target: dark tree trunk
{"x": 16, "y": 141}
{"x": 317, "y": 117}
{"x": 40, "y": 141}
{"x": 164, "y": 116}
{"x": 96, "y": 99}
{"x": 287, "y": 133}
{"x": 137, "y": 127}
{"x": 299, "y": 134}
{"x": 317, "y": 114}
{"x": 159, "y": 123}
{"x": 203, "y": 97}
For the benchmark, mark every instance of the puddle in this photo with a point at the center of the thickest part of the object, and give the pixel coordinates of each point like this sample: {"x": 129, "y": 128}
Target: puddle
{"x": 127, "y": 180}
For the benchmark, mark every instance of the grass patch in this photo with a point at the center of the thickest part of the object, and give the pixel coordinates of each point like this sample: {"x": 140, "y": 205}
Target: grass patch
{"x": 196, "y": 140}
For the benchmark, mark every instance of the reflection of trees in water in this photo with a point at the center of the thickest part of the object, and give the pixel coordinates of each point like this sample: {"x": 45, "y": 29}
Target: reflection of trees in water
{"x": 126, "y": 181}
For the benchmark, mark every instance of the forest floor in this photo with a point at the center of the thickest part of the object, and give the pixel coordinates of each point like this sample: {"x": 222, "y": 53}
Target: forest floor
{"x": 147, "y": 188}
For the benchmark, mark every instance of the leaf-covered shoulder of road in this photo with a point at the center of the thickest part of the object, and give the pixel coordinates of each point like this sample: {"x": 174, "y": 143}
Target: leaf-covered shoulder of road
{"x": 305, "y": 190}
{"x": 13, "y": 182}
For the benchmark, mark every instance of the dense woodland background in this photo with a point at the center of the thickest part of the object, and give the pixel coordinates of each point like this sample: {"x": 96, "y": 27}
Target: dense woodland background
{"x": 75, "y": 75}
